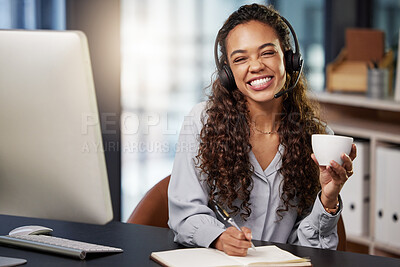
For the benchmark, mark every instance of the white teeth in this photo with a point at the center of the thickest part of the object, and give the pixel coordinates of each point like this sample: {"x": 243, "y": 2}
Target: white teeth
{"x": 260, "y": 81}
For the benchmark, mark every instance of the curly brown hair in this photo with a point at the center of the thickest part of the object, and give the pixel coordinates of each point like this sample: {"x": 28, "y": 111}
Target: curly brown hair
{"x": 224, "y": 140}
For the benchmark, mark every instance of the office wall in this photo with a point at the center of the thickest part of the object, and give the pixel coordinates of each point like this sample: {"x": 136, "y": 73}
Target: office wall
{"x": 340, "y": 15}
{"x": 100, "y": 20}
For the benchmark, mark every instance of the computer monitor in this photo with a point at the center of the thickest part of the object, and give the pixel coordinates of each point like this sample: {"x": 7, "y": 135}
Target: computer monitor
{"x": 52, "y": 162}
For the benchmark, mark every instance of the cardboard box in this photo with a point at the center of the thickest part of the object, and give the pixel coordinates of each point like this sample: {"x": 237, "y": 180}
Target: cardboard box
{"x": 346, "y": 75}
{"x": 365, "y": 44}
{"x": 364, "y": 47}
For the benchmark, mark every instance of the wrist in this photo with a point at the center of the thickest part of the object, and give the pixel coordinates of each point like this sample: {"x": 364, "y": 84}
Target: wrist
{"x": 330, "y": 205}
{"x": 334, "y": 210}
{"x": 217, "y": 243}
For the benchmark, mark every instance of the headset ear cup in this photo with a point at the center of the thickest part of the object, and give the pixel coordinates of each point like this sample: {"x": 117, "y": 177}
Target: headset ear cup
{"x": 288, "y": 61}
{"x": 226, "y": 77}
{"x": 296, "y": 61}
{"x": 293, "y": 61}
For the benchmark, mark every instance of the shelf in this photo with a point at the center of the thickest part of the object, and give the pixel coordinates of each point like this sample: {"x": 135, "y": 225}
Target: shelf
{"x": 376, "y": 120}
{"x": 355, "y": 100}
{"x": 363, "y": 240}
{"x": 366, "y": 129}
{"x": 386, "y": 247}
{"x": 359, "y": 116}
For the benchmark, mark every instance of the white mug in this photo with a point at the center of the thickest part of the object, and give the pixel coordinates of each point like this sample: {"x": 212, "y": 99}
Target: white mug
{"x": 330, "y": 147}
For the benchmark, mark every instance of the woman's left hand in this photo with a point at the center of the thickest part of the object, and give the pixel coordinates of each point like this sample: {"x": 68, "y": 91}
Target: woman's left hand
{"x": 332, "y": 178}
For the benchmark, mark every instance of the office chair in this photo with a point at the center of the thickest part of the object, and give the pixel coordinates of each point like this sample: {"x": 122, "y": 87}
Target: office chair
{"x": 341, "y": 231}
{"x": 153, "y": 210}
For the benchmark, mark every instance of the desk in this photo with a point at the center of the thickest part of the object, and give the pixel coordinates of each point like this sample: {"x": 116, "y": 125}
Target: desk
{"x": 139, "y": 241}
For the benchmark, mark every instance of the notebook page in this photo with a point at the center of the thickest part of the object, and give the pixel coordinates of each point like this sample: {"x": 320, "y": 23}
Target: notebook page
{"x": 194, "y": 257}
{"x": 268, "y": 255}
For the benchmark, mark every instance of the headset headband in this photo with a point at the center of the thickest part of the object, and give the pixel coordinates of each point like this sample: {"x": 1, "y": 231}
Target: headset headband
{"x": 293, "y": 60}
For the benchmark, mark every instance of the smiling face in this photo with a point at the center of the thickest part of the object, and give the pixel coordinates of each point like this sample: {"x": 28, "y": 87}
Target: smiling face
{"x": 256, "y": 59}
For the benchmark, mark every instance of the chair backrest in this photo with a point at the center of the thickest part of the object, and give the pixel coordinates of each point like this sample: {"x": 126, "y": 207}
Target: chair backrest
{"x": 342, "y": 235}
{"x": 153, "y": 210}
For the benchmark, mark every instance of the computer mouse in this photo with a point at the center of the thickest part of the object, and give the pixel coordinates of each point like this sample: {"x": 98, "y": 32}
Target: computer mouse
{"x": 30, "y": 230}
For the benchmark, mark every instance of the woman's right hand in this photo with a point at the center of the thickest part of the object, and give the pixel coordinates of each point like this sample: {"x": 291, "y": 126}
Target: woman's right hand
{"x": 234, "y": 242}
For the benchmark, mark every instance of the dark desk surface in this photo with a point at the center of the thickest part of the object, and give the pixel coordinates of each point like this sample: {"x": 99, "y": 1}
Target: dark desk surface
{"x": 139, "y": 241}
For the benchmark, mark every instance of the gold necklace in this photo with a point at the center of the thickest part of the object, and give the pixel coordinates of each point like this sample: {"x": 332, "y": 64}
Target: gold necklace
{"x": 263, "y": 132}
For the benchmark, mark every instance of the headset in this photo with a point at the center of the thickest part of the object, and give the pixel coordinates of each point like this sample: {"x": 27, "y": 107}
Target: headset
{"x": 293, "y": 60}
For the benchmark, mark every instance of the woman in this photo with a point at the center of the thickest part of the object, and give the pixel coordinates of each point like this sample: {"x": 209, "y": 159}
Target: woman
{"x": 251, "y": 152}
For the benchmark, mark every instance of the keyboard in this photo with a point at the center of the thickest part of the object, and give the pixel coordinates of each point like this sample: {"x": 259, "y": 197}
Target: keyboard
{"x": 66, "y": 247}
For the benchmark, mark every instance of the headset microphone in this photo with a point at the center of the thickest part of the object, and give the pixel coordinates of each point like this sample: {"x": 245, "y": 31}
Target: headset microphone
{"x": 291, "y": 87}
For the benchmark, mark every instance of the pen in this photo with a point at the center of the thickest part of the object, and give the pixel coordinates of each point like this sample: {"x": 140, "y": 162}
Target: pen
{"x": 225, "y": 216}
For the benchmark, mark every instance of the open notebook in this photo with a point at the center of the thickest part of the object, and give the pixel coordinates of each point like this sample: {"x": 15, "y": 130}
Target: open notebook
{"x": 262, "y": 256}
